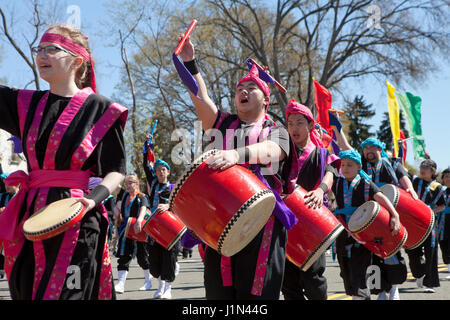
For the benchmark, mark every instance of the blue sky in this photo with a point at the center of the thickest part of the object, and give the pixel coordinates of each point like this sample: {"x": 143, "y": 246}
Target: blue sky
{"x": 435, "y": 93}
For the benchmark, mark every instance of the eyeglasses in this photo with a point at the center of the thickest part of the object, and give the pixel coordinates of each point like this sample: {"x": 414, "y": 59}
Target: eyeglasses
{"x": 49, "y": 50}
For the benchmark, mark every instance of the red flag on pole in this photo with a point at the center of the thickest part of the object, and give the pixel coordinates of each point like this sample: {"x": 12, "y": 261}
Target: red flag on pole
{"x": 323, "y": 104}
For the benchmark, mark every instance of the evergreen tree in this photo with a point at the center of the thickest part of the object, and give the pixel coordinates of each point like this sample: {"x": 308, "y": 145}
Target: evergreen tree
{"x": 384, "y": 132}
{"x": 357, "y": 114}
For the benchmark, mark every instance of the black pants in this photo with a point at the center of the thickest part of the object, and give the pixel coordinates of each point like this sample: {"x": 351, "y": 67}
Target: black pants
{"x": 393, "y": 272}
{"x": 354, "y": 259}
{"x": 423, "y": 260}
{"x": 163, "y": 261}
{"x": 126, "y": 251}
{"x": 243, "y": 266}
{"x": 309, "y": 284}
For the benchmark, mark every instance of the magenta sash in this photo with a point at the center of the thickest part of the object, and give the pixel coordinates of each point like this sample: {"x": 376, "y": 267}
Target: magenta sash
{"x": 36, "y": 179}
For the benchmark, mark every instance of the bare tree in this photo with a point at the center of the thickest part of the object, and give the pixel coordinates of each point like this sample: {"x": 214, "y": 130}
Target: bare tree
{"x": 334, "y": 41}
{"x": 39, "y": 20}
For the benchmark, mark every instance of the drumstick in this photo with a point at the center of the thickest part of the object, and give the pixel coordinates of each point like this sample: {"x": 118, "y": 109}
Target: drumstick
{"x": 283, "y": 89}
{"x": 186, "y": 35}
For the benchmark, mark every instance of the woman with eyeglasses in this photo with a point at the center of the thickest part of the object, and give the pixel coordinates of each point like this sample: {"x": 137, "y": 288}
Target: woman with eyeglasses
{"x": 68, "y": 134}
{"x": 429, "y": 191}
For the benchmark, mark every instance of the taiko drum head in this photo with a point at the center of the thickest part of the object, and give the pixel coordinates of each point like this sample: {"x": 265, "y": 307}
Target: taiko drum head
{"x": 53, "y": 219}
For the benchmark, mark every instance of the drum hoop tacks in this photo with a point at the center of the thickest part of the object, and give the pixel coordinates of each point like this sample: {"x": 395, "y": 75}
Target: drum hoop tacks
{"x": 178, "y": 237}
{"x": 324, "y": 244}
{"x": 369, "y": 222}
{"x": 399, "y": 246}
{"x": 427, "y": 233}
{"x": 35, "y": 234}
{"x": 187, "y": 173}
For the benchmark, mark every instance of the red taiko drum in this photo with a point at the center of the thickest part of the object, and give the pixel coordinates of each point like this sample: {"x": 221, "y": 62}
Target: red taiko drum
{"x": 415, "y": 215}
{"x": 131, "y": 234}
{"x": 165, "y": 227}
{"x": 370, "y": 225}
{"x": 313, "y": 234}
{"x": 224, "y": 208}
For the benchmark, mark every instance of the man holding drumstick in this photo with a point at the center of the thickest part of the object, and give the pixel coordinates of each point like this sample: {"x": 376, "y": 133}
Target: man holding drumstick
{"x": 249, "y": 280}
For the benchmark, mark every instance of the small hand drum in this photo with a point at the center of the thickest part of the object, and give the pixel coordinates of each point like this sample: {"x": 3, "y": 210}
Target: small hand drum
{"x": 53, "y": 219}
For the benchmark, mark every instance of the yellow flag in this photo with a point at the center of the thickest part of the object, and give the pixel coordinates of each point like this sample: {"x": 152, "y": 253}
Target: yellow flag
{"x": 394, "y": 116}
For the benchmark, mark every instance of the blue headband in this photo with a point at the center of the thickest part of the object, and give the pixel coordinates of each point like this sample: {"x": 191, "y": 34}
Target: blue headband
{"x": 356, "y": 157}
{"x": 377, "y": 143}
{"x": 160, "y": 162}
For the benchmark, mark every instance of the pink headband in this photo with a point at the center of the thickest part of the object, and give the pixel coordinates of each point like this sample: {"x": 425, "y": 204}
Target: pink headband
{"x": 73, "y": 47}
{"x": 295, "y": 107}
{"x": 254, "y": 76}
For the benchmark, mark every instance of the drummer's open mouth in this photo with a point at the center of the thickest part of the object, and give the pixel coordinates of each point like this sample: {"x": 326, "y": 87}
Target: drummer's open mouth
{"x": 244, "y": 100}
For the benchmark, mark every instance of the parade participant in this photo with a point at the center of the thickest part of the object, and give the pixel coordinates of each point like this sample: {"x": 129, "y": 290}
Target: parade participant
{"x": 443, "y": 221}
{"x": 429, "y": 191}
{"x": 317, "y": 169}
{"x": 163, "y": 262}
{"x": 67, "y": 134}
{"x": 382, "y": 170}
{"x": 255, "y": 272}
{"x": 134, "y": 203}
{"x": 351, "y": 191}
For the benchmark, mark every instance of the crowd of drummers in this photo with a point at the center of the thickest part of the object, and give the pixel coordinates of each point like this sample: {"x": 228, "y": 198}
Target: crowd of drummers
{"x": 264, "y": 202}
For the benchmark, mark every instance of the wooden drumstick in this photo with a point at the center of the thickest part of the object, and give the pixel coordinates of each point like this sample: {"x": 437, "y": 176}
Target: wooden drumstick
{"x": 186, "y": 35}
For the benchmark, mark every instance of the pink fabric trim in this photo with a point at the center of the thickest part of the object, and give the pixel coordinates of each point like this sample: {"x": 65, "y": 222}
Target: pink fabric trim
{"x": 38, "y": 246}
{"x": 263, "y": 257}
{"x": 229, "y": 135}
{"x": 59, "y": 272}
{"x": 23, "y": 104}
{"x": 225, "y": 271}
{"x": 106, "y": 278}
{"x": 96, "y": 134}
{"x": 34, "y": 131}
{"x": 301, "y": 161}
{"x": 62, "y": 124}
{"x": 13, "y": 248}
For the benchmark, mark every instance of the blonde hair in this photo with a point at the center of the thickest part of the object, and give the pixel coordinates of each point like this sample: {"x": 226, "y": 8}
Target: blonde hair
{"x": 83, "y": 76}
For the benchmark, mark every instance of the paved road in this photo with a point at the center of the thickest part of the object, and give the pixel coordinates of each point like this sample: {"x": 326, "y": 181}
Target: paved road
{"x": 189, "y": 283}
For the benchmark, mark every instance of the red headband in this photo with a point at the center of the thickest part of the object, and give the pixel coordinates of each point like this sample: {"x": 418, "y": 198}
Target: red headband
{"x": 73, "y": 47}
{"x": 254, "y": 76}
{"x": 295, "y": 107}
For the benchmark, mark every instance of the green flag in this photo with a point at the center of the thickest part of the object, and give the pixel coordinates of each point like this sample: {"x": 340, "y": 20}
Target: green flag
{"x": 416, "y": 126}
{"x": 404, "y": 103}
